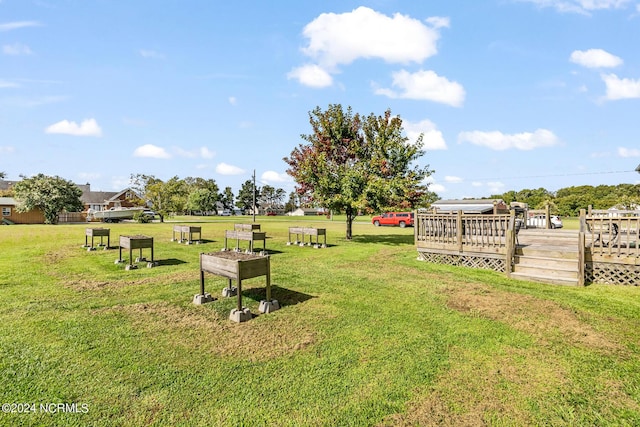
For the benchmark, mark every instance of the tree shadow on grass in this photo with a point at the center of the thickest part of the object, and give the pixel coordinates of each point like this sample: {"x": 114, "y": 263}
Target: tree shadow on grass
{"x": 170, "y": 261}
{"x": 283, "y": 295}
{"x": 386, "y": 239}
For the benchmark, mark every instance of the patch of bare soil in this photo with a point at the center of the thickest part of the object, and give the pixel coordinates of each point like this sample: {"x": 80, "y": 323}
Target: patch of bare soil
{"x": 545, "y": 320}
{"x": 89, "y": 283}
{"x": 210, "y": 332}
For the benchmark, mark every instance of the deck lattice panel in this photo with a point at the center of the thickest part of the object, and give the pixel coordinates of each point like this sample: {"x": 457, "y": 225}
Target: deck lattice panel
{"x": 470, "y": 261}
{"x": 612, "y": 274}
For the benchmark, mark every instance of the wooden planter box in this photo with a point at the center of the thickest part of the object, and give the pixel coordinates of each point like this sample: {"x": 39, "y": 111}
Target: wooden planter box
{"x": 97, "y": 232}
{"x": 246, "y": 227}
{"x": 247, "y": 236}
{"x": 236, "y": 266}
{"x": 186, "y": 233}
{"x": 308, "y": 231}
{"x": 136, "y": 242}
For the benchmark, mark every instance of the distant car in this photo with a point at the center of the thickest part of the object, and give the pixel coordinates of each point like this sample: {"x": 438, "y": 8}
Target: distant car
{"x": 539, "y": 221}
{"x": 225, "y": 212}
{"x": 400, "y": 219}
{"x": 271, "y": 213}
{"x": 151, "y": 214}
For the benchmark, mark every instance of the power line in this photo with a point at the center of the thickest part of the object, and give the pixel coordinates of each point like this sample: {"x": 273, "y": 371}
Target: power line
{"x": 552, "y": 175}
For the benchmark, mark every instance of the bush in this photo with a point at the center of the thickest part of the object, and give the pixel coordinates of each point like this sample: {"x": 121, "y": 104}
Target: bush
{"x": 141, "y": 217}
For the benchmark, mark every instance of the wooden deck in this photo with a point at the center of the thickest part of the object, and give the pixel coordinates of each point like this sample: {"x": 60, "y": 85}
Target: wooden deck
{"x": 605, "y": 250}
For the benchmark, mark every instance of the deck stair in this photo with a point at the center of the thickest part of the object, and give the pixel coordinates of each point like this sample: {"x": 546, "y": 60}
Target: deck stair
{"x": 547, "y": 256}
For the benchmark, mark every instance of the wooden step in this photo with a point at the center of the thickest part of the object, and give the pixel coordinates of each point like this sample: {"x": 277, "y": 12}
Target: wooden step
{"x": 547, "y": 256}
{"x": 545, "y": 279}
{"x": 548, "y": 251}
{"x": 546, "y": 262}
{"x": 561, "y": 272}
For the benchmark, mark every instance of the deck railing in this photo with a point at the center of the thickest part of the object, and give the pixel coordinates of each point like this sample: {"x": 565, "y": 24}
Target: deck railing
{"x": 481, "y": 240}
{"x": 612, "y": 233}
{"x": 465, "y": 232}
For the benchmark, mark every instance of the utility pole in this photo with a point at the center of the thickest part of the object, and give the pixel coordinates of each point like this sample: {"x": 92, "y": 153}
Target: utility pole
{"x": 254, "y": 196}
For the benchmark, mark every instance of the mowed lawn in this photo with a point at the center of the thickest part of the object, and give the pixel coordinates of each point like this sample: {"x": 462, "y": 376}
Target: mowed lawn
{"x": 366, "y": 336}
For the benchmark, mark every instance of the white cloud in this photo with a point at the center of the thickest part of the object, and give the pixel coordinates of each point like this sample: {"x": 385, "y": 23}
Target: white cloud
{"x": 7, "y": 149}
{"x": 581, "y": 6}
{"x": 437, "y": 188}
{"x": 272, "y": 177}
{"x": 364, "y": 33}
{"x": 18, "y": 24}
{"x": 477, "y": 184}
{"x": 205, "y": 153}
{"x": 453, "y": 179}
{"x": 432, "y": 137}
{"x": 425, "y": 85}
{"x": 595, "y": 58}
{"x": 497, "y": 140}
{"x": 5, "y": 84}
{"x": 311, "y": 75}
{"x": 628, "y": 152}
{"x": 88, "y": 127}
{"x": 152, "y": 54}
{"x": 439, "y": 22}
{"x": 618, "y": 88}
{"x": 226, "y": 169}
{"x": 152, "y": 151}
{"x": 233, "y": 100}
{"x": 16, "y": 49}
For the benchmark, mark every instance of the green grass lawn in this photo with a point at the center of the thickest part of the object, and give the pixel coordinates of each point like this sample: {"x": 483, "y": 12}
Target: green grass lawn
{"x": 367, "y": 335}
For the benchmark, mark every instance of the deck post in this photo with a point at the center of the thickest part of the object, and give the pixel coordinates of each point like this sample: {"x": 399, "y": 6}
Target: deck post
{"x": 510, "y": 243}
{"x": 581, "y": 258}
{"x": 547, "y": 215}
{"x": 459, "y": 230}
{"x": 582, "y": 247}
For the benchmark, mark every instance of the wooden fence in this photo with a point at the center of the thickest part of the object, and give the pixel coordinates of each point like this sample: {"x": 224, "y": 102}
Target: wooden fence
{"x": 66, "y": 217}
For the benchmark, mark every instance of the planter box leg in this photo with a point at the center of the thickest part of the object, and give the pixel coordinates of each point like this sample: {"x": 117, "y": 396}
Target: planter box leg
{"x": 202, "y": 299}
{"x": 239, "y": 316}
{"x": 268, "y": 306}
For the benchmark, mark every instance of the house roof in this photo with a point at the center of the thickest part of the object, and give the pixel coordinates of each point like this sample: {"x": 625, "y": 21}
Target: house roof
{"x": 8, "y": 201}
{"x": 97, "y": 196}
{"x": 466, "y": 205}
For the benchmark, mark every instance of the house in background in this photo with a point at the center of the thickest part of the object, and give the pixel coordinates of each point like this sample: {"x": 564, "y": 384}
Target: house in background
{"x": 9, "y": 214}
{"x": 95, "y": 200}
{"x": 104, "y": 200}
{"x": 306, "y": 212}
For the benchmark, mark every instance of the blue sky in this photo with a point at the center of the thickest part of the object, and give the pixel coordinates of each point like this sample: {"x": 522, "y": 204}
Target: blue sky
{"x": 509, "y": 94}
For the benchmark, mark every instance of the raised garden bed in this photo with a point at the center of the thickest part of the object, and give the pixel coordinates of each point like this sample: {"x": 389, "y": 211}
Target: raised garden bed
{"x": 97, "y": 232}
{"x": 236, "y": 266}
{"x": 301, "y": 232}
{"x": 139, "y": 242}
{"x": 186, "y": 233}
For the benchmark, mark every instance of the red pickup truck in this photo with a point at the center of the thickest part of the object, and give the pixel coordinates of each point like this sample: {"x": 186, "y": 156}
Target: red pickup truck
{"x": 400, "y": 219}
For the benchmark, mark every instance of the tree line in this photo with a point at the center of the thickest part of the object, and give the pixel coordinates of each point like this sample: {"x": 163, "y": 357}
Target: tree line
{"x": 348, "y": 163}
{"x": 191, "y": 195}
{"x": 570, "y": 200}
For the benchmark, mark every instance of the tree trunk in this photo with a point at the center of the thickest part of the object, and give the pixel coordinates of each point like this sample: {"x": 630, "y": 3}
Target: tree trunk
{"x": 349, "y": 222}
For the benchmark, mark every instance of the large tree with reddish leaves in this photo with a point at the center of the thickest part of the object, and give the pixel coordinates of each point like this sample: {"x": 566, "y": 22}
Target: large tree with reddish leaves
{"x": 352, "y": 163}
